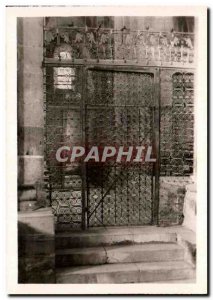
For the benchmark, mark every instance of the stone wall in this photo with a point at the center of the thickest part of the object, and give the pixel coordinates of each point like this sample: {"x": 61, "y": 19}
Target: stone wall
{"x": 30, "y": 112}
{"x": 36, "y": 249}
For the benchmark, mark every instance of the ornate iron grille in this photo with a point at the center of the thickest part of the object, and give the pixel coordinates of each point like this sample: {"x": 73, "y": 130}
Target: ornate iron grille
{"x": 176, "y": 143}
{"x": 138, "y": 46}
{"x": 177, "y": 127}
{"x": 63, "y": 103}
{"x": 119, "y": 111}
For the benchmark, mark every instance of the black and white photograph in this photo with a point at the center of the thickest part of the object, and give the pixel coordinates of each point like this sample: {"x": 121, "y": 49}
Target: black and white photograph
{"x": 107, "y": 117}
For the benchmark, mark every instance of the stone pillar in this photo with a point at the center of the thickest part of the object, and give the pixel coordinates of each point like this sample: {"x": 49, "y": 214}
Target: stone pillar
{"x": 36, "y": 263}
{"x": 30, "y": 112}
{"x": 189, "y": 210}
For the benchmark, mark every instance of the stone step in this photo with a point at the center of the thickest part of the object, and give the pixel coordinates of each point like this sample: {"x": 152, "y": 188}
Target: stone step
{"x": 119, "y": 254}
{"x": 192, "y": 280}
{"x": 114, "y": 236}
{"x": 127, "y": 273}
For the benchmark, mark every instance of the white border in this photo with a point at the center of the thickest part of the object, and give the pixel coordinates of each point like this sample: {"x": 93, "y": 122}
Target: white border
{"x": 13, "y": 287}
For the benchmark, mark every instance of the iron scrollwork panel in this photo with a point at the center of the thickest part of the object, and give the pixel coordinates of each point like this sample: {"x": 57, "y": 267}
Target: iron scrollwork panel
{"x": 167, "y": 48}
{"x": 63, "y": 95}
{"x": 176, "y": 143}
{"x": 119, "y": 111}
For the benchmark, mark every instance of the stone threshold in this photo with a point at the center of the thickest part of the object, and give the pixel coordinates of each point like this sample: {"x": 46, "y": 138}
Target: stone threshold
{"x": 182, "y": 231}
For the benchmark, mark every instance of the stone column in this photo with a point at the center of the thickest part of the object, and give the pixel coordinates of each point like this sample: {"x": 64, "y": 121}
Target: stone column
{"x": 30, "y": 112}
{"x": 36, "y": 243}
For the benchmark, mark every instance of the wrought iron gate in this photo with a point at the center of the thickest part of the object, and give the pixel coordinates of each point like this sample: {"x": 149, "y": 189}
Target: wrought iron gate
{"x": 115, "y": 107}
{"x": 120, "y": 111}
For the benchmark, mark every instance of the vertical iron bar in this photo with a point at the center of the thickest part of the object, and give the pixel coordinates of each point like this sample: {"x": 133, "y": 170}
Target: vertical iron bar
{"x": 83, "y": 128}
{"x": 139, "y": 169}
{"x": 115, "y": 197}
{"x": 153, "y": 165}
{"x": 127, "y": 175}
{"x": 157, "y": 144}
{"x": 102, "y": 193}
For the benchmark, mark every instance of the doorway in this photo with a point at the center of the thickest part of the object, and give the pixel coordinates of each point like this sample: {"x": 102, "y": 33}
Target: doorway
{"x": 102, "y": 106}
{"x": 120, "y": 110}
